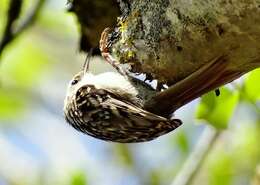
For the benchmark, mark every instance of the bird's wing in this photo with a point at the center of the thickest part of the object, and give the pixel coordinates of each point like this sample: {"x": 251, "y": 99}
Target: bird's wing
{"x": 125, "y": 108}
{"x": 106, "y": 115}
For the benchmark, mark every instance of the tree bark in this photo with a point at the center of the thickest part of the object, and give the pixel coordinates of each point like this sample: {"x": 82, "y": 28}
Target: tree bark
{"x": 193, "y": 46}
{"x": 171, "y": 39}
{"x": 93, "y": 17}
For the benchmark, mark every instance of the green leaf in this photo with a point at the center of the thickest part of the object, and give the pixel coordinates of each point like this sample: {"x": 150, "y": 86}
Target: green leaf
{"x": 251, "y": 85}
{"x": 78, "y": 178}
{"x": 217, "y": 111}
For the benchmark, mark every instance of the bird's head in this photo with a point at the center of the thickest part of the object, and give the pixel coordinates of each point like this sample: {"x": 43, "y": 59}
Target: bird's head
{"x": 81, "y": 78}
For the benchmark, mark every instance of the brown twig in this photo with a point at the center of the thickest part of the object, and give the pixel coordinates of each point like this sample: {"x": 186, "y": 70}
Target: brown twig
{"x": 12, "y": 15}
{"x": 10, "y": 33}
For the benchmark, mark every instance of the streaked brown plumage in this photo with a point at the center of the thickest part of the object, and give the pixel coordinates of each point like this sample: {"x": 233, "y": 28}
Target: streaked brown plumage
{"x": 105, "y": 115}
{"x": 108, "y": 106}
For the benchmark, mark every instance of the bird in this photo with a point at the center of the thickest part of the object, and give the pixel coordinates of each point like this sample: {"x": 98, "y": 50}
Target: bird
{"x": 109, "y": 106}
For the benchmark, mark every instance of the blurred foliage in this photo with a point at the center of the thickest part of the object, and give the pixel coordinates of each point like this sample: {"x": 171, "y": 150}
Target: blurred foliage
{"x": 155, "y": 178}
{"x": 21, "y": 69}
{"x": 25, "y": 63}
{"x": 236, "y": 162}
{"x": 251, "y": 86}
{"x": 221, "y": 169}
{"x": 79, "y": 178}
{"x": 245, "y": 153}
{"x": 23, "y": 66}
{"x": 124, "y": 154}
{"x": 54, "y": 25}
{"x": 217, "y": 111}
{"x": 3, "y": 11}
{"x": 237, "y": 159}
{"x": 183, "y": 142}
{"x": 11, "y": 103}
{"x": 256, "y": 180}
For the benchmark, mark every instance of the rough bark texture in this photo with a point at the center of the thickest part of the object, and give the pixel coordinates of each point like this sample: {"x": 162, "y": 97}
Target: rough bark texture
{"x": 170, "y": 39}
{"x": 93, "y": 17}
{"x": 193, "y": 46}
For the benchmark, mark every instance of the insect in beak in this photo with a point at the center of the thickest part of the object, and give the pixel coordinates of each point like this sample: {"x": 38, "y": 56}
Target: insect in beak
{"x": 87, "y": 62}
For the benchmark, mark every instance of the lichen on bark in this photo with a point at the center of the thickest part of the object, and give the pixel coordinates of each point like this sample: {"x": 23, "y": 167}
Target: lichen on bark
{"x": 170, "y": 39}
{"x": 193, "y": 46}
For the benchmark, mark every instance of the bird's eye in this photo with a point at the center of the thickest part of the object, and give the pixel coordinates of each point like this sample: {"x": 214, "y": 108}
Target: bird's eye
{"x": 74, "y": 82}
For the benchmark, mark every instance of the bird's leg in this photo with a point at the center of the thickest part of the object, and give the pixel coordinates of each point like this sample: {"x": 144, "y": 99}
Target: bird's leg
{"x": 103, "y": 45}
{"x": 104, "y": 48}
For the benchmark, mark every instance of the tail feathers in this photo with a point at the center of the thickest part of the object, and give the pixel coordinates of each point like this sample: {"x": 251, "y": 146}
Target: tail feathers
{"x": 176, "y": 123}
{"x": 211, "y": 76}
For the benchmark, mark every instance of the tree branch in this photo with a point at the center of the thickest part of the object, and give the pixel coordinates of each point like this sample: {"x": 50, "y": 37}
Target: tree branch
{"x": 196, "y": 159}
{"x": 10, "y": 32}
{"x": 12, "y": 15}
{"x": 191, "y": 46}
{"x": 209, "y": 77}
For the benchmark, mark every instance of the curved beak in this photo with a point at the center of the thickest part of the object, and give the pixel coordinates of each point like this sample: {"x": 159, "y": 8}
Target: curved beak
{"x": 87, "y": 61}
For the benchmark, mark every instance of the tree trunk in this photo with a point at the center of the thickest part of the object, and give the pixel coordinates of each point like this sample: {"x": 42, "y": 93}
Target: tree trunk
{"x": 193, "y": 46}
